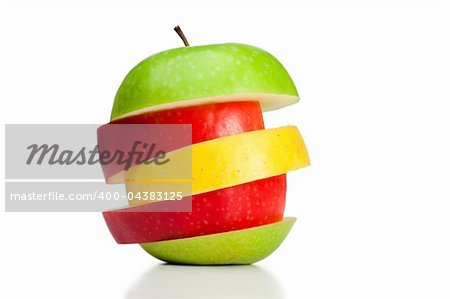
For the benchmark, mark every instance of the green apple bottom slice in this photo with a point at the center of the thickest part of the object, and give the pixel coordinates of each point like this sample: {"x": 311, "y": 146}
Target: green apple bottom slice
{"x": 244, "y": 246}
{"x": 198, "y": 75}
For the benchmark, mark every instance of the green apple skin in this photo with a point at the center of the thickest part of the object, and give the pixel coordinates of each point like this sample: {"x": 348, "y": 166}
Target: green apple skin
{"x": 200, "y": 74}
{"x": 245, "y": 246}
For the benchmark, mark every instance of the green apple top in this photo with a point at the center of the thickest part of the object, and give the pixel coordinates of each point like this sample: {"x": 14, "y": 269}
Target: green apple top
{"x": 203, "y": 74}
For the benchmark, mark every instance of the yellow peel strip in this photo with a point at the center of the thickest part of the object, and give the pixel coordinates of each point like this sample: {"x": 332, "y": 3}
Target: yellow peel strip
{"x": 229, "y": 161}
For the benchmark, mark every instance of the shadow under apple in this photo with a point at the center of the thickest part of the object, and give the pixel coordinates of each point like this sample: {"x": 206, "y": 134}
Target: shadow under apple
{"x": 173, "y": 281}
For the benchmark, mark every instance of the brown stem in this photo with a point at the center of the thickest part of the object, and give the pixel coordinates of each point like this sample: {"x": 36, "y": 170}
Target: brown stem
{"x": 181, "y": 34}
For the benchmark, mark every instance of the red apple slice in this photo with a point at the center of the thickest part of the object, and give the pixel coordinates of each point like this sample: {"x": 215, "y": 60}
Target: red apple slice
{"x": 238, "y": 207}
{"x": 208, "y": 121}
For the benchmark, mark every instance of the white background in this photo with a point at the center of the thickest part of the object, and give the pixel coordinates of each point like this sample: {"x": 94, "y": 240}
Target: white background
{"x": 374, "y": 207}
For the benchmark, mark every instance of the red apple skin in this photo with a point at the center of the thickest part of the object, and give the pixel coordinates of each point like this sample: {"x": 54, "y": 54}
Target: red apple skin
{"x": 208, "y": 121}
{"x": 120, "y": 138}
{"x": 238, "y": 207}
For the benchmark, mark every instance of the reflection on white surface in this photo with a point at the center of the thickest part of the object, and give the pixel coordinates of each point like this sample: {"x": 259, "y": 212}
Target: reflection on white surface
{"x": 172, "y": 281}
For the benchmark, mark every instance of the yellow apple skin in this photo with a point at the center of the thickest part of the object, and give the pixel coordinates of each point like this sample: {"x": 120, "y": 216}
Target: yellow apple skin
{"x": 226, "y": 162}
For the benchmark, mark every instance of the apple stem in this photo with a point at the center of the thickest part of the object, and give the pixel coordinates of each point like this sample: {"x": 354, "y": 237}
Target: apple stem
{"x": 181, "y": 35}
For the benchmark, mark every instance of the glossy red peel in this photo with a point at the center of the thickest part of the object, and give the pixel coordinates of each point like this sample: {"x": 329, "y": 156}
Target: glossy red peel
{"x": 208, "y": 121}
{"x": 238, "y": 207}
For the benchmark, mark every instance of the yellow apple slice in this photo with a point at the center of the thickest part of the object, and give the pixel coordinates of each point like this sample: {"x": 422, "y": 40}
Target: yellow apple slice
{"x": 226, "y": 162}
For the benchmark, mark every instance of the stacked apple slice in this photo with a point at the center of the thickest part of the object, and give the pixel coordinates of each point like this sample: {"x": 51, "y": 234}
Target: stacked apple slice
{"x": 238, "y": 166}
